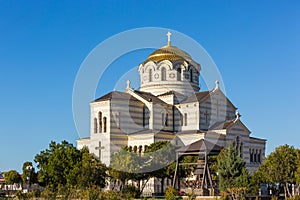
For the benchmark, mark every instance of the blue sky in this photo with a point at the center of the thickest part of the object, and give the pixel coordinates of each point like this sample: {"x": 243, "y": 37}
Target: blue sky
{"x": 255, "y": 45}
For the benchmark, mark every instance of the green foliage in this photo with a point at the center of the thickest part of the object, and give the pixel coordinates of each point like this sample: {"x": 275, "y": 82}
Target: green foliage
{"x": 157, "y": 161}
{"x": 91, "y": 171}
{"x": 124, "y": 165}
{"x": 297, "y": 174}
{"x": 63, "y": 164}
{"x": 131, "y": 191}
{"x": 187, "y": 169}
{"x": 90, "y": 193}
{"x": 231, "y": 170}
{"x": 12, "y": 177}
{"x": 29, "y": 173}
{"x": 171, "y": 193}
{"x": 191, "y": 196}
{"x": 280, "y": 167}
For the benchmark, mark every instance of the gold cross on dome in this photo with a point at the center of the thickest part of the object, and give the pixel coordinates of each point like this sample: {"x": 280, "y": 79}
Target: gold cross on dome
{"x": 169, "y": 38}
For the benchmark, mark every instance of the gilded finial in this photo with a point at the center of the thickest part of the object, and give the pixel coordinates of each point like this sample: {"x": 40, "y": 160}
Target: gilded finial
{"x": 169, "y": 38}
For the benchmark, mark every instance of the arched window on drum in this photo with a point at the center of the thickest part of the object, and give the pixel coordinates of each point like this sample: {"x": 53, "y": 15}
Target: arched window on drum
{"x": 179, "y": 74}
{"x": 163, "y": 73}
{"x": 191, "y": 75}
{"x": 150, "y": 75}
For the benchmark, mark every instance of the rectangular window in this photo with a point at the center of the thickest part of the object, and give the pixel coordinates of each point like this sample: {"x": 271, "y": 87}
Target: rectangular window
{"x": 185, "y": 119}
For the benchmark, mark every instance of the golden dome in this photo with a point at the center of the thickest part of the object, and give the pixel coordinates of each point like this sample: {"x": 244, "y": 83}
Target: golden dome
{"x": 169, "y": 53}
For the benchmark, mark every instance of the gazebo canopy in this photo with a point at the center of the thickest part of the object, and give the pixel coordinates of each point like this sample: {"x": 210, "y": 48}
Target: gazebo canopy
{"x": 202, "y": 147}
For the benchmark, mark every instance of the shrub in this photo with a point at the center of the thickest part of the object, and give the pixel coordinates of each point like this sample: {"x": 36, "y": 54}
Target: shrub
{"x": 171, "y": 193}
{"x": 131, "y": 192}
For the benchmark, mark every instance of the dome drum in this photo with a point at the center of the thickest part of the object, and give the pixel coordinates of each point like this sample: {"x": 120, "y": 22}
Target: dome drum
{"x": 169, "y": 68}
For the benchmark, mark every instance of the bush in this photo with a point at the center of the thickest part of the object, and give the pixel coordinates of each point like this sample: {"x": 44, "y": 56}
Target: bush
{"x": 92, "y": 193}
{"x": 191, "y": 196}
{"x": 131, "y": 192}
{"x": 113, "y": 195}
{"x": 171, "y": 193}
{"x": 296, "y": 197}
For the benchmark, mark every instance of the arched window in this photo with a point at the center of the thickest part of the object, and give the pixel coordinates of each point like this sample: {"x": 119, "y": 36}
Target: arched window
{"x": 146, "y": 116}
{"x": 117, "y": 119}
{"x": 255, "y": 156}
{"x": 140, "y": 149}
{"x": 259, "y": 156}
{"x": 191, "y": 74}
{"x": 135, "y": 149}
{"x": 241, "y": 149}
{"x": 167, "y": 120}
{"x": 100, "y": 121}
{"x": 130, "y": 149}
{"x": 104, "y": 124}
{"x": 181, "y": 119}
{"x": 237, "y": 141}
{"x": 251, "y": 155}
{"x": 179, "y": 74}
{"x": 150, "y": 75}
{"x": 163, "y": 74}
{"x": 95, "y": 125}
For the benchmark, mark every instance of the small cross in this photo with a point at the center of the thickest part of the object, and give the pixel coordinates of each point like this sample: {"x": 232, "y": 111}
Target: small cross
{"x": 128, "y": 84}
{"x": 99, "y": 148}
{"x": 169, "y": 38}
{"x": 206, "y": 116}
{"x": 217, "y": 84}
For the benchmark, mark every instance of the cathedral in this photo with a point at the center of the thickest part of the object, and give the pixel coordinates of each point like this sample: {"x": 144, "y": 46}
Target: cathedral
{"x": 168, "y": 106}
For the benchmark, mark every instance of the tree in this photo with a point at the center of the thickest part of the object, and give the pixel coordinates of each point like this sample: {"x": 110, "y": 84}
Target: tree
{"x": 28, "y": 174}
{"x": 124, "y": 166}
{"x": 297, "y": 175}
{"x": 233, "y": 176}
{"x": 92, "y": 171}
{"x": 156, "y": 161}
{"x": 12, "y": 177}
{"x": 280, "y": 167}
{"x": 161, "y": 156}
{"x": 63, "y": 164}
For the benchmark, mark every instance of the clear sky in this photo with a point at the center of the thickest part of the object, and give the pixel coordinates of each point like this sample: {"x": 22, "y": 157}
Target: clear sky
{"x": 255, "y": 44}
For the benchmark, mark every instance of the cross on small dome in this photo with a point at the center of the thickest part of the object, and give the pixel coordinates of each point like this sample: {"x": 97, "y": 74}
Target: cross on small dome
{"x": 169, "y": 38}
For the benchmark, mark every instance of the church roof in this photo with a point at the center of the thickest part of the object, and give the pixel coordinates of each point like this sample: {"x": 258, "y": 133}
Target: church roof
{"x": 170, "y": 93}
{"x": 116, "y": 95}
{"x": 197, "y": 97}
{"x": 201, "y": 146}
{"x": 150, "y": 131}
{"x": 222, "y": 125}
{"x": 257, "y": 139}
{"x": 149, "y": 97}
{"x": 191, "y": 132}
{"x": 202, "y": 96}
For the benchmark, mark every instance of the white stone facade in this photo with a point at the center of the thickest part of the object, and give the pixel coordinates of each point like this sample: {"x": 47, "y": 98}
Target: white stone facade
{"x": 168, "y": 106}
